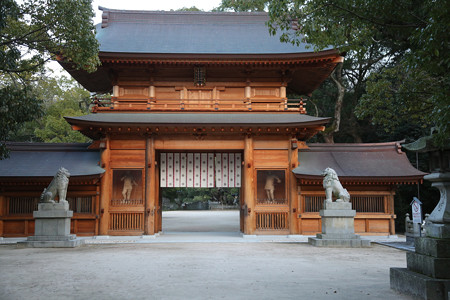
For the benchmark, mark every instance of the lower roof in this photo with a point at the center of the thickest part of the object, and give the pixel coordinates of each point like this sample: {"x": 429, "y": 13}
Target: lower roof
{"x": 357, "y": 162}
{"x": 44, "y": 160}
{"x": 186, "y": 119}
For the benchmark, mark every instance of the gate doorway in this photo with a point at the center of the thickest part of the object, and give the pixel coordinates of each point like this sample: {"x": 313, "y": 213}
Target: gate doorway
{"x": 200, "y": 192}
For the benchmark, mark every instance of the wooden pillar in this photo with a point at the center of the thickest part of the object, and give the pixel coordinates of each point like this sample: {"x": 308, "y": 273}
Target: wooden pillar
{"x": 150, "y": 186}
{"x": 2, "y": 212}
{"x": 97, "y": 208}
{"x": 249, "y": 187}
{"x": 392, "y": 212}
{"x": 293, "y": 194}
{"x": 106, "y": 188}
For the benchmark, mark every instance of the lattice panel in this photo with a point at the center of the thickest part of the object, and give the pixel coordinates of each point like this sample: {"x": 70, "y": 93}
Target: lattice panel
{"x": 272, "y": 220}
{"x": 126, "y": 221}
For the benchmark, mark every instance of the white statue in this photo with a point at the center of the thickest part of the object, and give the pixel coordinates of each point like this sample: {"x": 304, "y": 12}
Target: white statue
{"x": 332, "y": 186}
{"x": 270, "y": 185}
{"x": 58, "y": 186}
{"x": 128, "y": 182}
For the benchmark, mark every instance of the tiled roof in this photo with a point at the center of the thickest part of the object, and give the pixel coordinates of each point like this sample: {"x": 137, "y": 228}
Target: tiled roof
{"x": 357, "y": 161}
{"x": 126, "y": 31}
{"x": 44, "y": 160}
{"x": 182, "y": 118}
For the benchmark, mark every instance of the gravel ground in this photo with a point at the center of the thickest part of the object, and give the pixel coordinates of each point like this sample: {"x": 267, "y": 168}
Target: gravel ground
{"x": 198, "y": 271}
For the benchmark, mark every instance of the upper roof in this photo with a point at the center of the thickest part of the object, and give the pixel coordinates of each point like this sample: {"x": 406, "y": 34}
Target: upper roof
{"x": 168, "y": 39}
{"x": 357, "y": 162}
{"x": 44, "y": 160}
{"x": 186, "y": 32}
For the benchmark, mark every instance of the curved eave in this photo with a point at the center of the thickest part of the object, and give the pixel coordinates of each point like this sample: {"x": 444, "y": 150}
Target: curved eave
{"x": 33, "y": 180}
{"x": 326, "y": 55}
{"x": 175, "y": 119}
{"x": 368, "y": 180}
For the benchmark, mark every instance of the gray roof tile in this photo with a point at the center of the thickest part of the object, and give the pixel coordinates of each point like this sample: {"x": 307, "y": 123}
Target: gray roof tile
{"x": 44, "y": 160}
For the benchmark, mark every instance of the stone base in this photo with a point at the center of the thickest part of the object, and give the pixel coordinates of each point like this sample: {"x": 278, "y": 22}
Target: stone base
{"x": 339, "y": 243}
{"x": 39, "y": 241}
{"x": 52, "y": 227}
{"x": 418, "y": 285}
{"x": 338, "y": 230}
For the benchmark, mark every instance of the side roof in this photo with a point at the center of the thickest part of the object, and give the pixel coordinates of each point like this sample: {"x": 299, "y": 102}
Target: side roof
{"x": 357, "y": 162}
{"x": 44, "y": 160}
{"x": 186, "y": 32}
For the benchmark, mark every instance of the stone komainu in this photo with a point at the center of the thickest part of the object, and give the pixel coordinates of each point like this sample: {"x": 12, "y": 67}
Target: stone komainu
{"x": 332, "y": 186}
{"x": 58, "y": 186}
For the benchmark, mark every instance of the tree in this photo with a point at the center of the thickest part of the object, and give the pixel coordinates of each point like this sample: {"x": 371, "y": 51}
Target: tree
{"x": 413, "y": 35}
{"x": 242, "y": 5}
{"x": 31, "y": 33}
{"x": 60, "y": 97}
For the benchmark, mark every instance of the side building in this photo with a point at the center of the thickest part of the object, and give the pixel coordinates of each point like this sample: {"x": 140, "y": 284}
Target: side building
{"x": 200, "y": 100}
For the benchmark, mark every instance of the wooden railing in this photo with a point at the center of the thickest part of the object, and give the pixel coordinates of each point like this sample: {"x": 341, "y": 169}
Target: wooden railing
{"x": 370, "y": 204}
{"x": 126, "y": 221}
{"x": 142, "y": 103}
{"x": 272, "y": 221}
{"x": 130, "y": 202}
{"x": 271, "y": 202}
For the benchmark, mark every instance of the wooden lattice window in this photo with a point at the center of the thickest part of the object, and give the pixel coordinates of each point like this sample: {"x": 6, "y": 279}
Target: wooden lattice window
{"x": 22, "y": 205}
{"x": 313, "y": 203}
{"x": 368, "y": 203}
{"x": 362, "y": 204}
{"x": 82, "y": 205}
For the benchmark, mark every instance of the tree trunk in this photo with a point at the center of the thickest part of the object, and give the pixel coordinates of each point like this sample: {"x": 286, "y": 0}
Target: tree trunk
{"x": 336, "y": 76}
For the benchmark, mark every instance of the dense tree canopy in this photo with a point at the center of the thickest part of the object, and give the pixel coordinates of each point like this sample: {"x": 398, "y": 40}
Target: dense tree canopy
{"x": 411, "y": 81}
{"x": 31, "y": 33}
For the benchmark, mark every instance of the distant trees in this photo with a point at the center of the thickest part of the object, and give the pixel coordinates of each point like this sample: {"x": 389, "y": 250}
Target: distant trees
{"x": 225, "y": 196}
{"x": 33, "y": 32}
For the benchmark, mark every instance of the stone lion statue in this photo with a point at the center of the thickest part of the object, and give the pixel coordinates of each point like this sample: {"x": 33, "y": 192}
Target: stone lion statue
{"x": 332, "y": 186}
{"x": 58, "y": 186}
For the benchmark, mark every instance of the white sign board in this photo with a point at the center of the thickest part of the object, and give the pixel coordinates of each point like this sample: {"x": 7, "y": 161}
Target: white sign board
{"x": 416, "y": 212}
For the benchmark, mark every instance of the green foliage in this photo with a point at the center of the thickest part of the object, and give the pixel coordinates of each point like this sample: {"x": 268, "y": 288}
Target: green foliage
{"x": 192, "y": 8}
{"x": 179, "y": 196}
{"x": 242, "y": 5}
{"x": 411, "y": 35}
{"x": 31, "y": 33}
{"x": 16, "y": 103}
{"x": 61, "y": 97}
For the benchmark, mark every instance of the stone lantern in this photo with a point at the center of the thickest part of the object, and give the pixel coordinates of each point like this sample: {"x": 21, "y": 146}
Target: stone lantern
{"x": 427, "y": 275}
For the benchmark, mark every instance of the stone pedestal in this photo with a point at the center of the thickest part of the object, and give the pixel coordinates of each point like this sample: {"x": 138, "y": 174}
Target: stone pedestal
{"x": 52, "y": 227}
{"x": 427, "y": 275}
{"x": 338, "y": 228}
